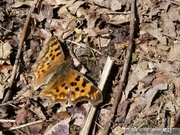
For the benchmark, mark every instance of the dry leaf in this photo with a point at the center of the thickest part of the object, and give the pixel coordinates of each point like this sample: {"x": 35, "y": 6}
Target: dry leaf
{"x": 2, "y": 90}
{"x": 62, "y": 128}
{"x": 5, "y": 51}
{"x": 102, "y": 41}
{"x": 150, "y": 111}
{"x": 139, "y": 72}
{"x": 79, "y": 33}
{"x": 36, "y": 128}
{"x": 173, "y": 13}
{"x": 155, "y": 32}
{"x": 150, "y": 94}
{"x": 26, "y": 3}
{"x": 168, "y": 25}
{"x": 74, "y": 7}
{"x": 118, "y": 19}
{"x": 22, "y": 116}
{"x": 174, "y": 53}
{"x": 117, "y": 131}
{"x": 61, "y": 115}
{"x": 113, "y": 5}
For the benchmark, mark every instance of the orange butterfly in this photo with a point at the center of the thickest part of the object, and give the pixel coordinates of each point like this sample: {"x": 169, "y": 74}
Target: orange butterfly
{"x": 63, "y": 83}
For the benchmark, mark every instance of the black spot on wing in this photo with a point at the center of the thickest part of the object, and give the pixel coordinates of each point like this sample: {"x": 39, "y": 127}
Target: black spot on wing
{"x": 53, "y": 57}
{"x": 59, "y": 53}
{"x": 57, "y": 90}
{"x": 63, "y": 85}
{"x": 77, "y": 89}
{"x": 82, "y": 90}
{"x": 73, "y": 83}
{"x": 84, "y": 82}
{"x": 56, "y": 49}
{"x": 43, "y": 71}
{"x": 77, "y": 78}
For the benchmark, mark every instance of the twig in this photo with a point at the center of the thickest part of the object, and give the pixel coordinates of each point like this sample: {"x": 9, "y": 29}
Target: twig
{"x": 85, "y": 46}
{"x": 92, "y": 111}
{"x": 24, "y": 125}
{"x": 3, "y": 120}
{"x": 174, "y": 2}
{"x": 117, "y": 13}
{"x": 172, "y": 37}
{"x": 15, "y": 69}
{"x": 125, "y": 69}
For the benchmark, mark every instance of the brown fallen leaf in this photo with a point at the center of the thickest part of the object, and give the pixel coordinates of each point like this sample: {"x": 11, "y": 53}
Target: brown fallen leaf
{"x": 168, "y": 25}
{"x": 22, "y": 116}
{"x": 150, "y": 94}
{"x": 122, "y": 111}
{"x": 61, "y": 115}
{"x": 62, "y": 128}
{"x": 177, "y": 119}
{"x": 153, "y": 110}
{"x": 36, "y": 128}
{"x": 5, "y": 51}
{"x": 139, "y": 72}
{"x": 20, "y": 3}
{"x": 174, "y": 53}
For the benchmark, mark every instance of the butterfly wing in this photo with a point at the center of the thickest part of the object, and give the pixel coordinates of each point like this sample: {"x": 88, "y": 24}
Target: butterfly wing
{"x": 53, "y": 56}
{"x": 58, "y": 91}
{"x": 82, "y": 89}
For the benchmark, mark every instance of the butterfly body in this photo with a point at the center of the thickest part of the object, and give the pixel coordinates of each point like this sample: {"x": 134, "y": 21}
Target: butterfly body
{"x": 65, "y": 84}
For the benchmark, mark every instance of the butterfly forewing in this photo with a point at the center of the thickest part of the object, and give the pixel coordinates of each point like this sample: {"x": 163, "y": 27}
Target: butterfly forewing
{"x": 47, "y": 67}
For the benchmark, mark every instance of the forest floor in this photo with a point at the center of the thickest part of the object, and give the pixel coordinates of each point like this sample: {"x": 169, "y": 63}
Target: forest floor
{"x": 129, "y": 51}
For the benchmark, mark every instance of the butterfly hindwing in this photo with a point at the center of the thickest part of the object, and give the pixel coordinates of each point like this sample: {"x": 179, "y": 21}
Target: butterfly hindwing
{"x": 82, "y": 89}
{"x": 58, "y": 91}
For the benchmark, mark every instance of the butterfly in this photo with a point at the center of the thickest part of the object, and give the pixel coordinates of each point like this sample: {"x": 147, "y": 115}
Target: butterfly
{"x": 63, "y": 84}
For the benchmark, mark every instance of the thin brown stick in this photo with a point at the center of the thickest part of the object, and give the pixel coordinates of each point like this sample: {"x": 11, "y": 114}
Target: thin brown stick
{"x": 15, "y": 69}
{"x": 125, "y": 69}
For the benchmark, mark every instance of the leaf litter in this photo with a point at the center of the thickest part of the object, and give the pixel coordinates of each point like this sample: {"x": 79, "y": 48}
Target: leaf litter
{"x": 151, "y": 97}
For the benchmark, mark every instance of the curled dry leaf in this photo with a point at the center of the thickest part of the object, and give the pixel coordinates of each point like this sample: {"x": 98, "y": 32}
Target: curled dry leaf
{"x": 74, "y": 7}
